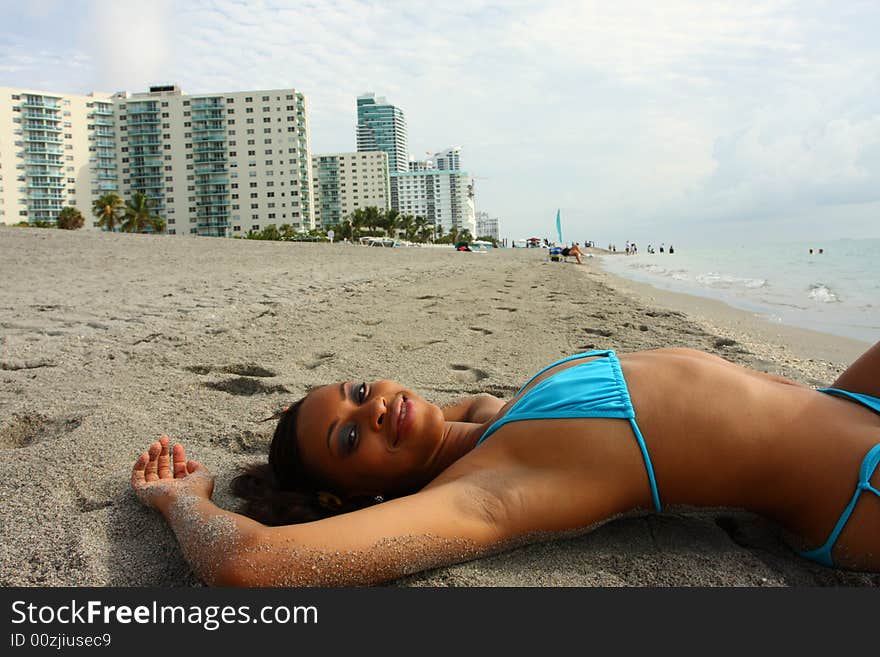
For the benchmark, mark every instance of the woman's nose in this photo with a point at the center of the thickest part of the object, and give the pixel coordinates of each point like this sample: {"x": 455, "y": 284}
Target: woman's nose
{"x": 377, "y": 412}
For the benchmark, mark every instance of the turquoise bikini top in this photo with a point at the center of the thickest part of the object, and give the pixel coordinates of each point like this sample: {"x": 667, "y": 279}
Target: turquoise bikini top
{"x": 594, "y": 388}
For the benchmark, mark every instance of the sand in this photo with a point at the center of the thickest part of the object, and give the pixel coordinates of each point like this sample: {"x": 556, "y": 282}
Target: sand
{"x": 108, "y": 341}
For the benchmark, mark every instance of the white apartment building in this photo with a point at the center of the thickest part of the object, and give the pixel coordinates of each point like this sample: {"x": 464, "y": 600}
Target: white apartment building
{"x": 445, "y": 160}
{"x": 488, "y": 226}
{"x": 345, "y": 182}
{"x": 56, "y": 150}
{"x": 444, "y": 198}
{"x": 219, "y": 164}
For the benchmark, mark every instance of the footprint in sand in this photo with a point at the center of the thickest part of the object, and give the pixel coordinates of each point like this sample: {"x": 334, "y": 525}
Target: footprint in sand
{"x": 243, "y": 369}
{"x": 426, "y": 296}
{"x": 244, "y": 386}
{"x": 508, "y": 309}
{"x": 243, "y": 442}
{"x": 29, "y": 428}
{"x": 318, "y": 360}
{"x": 605, "y": 333}
{"x": 468, "y": 374}
{"x": 85, "y": 504}
{"x": 484, "y": 331}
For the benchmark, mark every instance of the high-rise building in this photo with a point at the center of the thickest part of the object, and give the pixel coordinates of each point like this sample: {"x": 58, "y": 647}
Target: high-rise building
{"x": 449, "y": 159}
{"x": 444, "y": 198}
{"x": 382, "y": 127}
{"x": 56, "y": 150}
{"x": 218, "y": 164}
{"x": 488, "y": 226}
{"x": 445, "y": 160}
{"x": 345, "y": 182}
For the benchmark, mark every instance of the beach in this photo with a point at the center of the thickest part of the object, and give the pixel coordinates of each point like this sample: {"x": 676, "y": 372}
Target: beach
{"x": 109, "y": 340}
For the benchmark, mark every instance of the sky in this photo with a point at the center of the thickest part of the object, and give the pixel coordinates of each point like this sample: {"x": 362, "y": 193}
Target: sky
{"x": 677, "y": 121}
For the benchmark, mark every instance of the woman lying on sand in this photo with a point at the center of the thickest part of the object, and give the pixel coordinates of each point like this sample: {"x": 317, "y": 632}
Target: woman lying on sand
{"x": 368, "y": 481}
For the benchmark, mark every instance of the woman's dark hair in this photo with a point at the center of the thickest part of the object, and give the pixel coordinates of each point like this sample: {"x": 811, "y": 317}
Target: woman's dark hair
{"x": 282, "y": 491}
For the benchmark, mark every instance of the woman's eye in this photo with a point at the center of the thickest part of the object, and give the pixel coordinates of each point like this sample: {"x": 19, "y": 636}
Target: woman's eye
{"x": 362, "y": 392}
{"x": 350, "y": 439}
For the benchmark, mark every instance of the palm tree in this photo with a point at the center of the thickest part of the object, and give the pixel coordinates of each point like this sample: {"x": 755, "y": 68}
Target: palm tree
{"x": 69, "y": 218}
{"x": 357, "y": 219}
{"x": 372, "y": 218}
{"x": 420, "y": 225}
{"x": 139, "y": 215}
{"x": 405, "y": 222}
{"x": 390, "y": 221}
{"x": 107, "y": 209}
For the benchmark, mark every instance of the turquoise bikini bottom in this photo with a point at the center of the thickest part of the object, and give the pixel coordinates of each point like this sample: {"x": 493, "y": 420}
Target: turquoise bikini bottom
{"x": 822, "y": 554}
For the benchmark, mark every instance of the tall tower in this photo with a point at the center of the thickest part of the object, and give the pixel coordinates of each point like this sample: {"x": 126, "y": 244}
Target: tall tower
{"x": 382, "y": 127}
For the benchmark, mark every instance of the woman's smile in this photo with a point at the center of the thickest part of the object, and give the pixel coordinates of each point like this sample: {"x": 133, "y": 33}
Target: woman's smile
{"x": 402, "y": 418}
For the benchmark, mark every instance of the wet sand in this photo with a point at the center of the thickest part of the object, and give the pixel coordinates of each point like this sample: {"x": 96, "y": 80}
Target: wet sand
{"x": 107, "y": 341}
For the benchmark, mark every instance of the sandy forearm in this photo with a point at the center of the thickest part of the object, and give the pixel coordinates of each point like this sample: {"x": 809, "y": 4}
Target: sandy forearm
{"x": 210, "y": 538}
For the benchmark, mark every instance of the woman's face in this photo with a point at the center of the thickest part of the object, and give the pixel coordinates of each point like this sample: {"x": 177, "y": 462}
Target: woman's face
{"x": 369, "y": 438}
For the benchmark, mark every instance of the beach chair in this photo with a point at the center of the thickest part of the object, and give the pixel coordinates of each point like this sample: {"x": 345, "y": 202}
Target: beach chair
{"x": 555, "y": 254}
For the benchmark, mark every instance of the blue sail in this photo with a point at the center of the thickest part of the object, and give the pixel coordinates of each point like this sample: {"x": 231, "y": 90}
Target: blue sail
{"x": 558, "y": 227}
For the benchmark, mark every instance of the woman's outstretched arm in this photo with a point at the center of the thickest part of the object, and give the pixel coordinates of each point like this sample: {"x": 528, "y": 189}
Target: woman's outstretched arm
{"x": 444, "y": 524}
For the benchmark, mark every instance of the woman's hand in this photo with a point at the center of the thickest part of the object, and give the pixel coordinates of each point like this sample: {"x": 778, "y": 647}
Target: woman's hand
{"x": 157, "y": 482}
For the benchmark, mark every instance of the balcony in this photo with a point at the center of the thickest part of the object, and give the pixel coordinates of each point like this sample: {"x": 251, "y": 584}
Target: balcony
{"x": 205, "y": 115}
{"x": 47, "y": 104}
{"x": 35, "y": 139}
{"x": 143, "y": 109}
{"x": 42, "y": 173}
{"x": 212, "y": 180}
{"x": 46, "y": 195}
{"x": 35, "y": 184}
{"x": 199, "y": 104}
{"x": 203, "y": 171}
{"x": 211, "y": 149}
{"x": 107, "y": 122}
{"x": 145, "y": 130}
{"x": 209, "y": 138}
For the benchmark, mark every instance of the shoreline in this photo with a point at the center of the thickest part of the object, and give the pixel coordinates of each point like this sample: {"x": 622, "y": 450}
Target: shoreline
{"x": 772, "y": 340}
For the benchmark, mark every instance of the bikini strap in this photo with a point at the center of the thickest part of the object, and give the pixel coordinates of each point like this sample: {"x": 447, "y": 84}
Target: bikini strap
{"x": 586, "y": 354}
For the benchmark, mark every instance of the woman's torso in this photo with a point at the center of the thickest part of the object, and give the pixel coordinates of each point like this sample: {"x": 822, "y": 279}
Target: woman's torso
{"x": 717, "y": 435}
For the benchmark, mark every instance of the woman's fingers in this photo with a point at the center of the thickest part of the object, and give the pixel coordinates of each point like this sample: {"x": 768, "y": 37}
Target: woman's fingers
{"x": 137, "y": 472}
{"x": 164, "y": 463}
{"x": 151, "y": 472}
{"x": 179, "y": 461}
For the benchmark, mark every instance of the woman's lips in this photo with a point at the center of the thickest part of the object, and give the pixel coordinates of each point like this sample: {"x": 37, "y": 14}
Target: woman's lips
{"x": 404, "y": 419}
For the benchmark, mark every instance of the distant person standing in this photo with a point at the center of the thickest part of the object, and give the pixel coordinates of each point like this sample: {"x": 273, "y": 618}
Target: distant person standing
{"x": 811, "y": 251}
{"x": 671, "y": 249}
{"x": 821, "y": 251}
{"x": 661, "y": 247}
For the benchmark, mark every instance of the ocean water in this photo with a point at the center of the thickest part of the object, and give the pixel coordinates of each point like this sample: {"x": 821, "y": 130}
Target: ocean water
{"x": 837, "y": 292}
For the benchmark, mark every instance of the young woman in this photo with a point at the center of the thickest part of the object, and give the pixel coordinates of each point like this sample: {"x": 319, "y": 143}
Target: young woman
{"x": 367, "y": 482}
